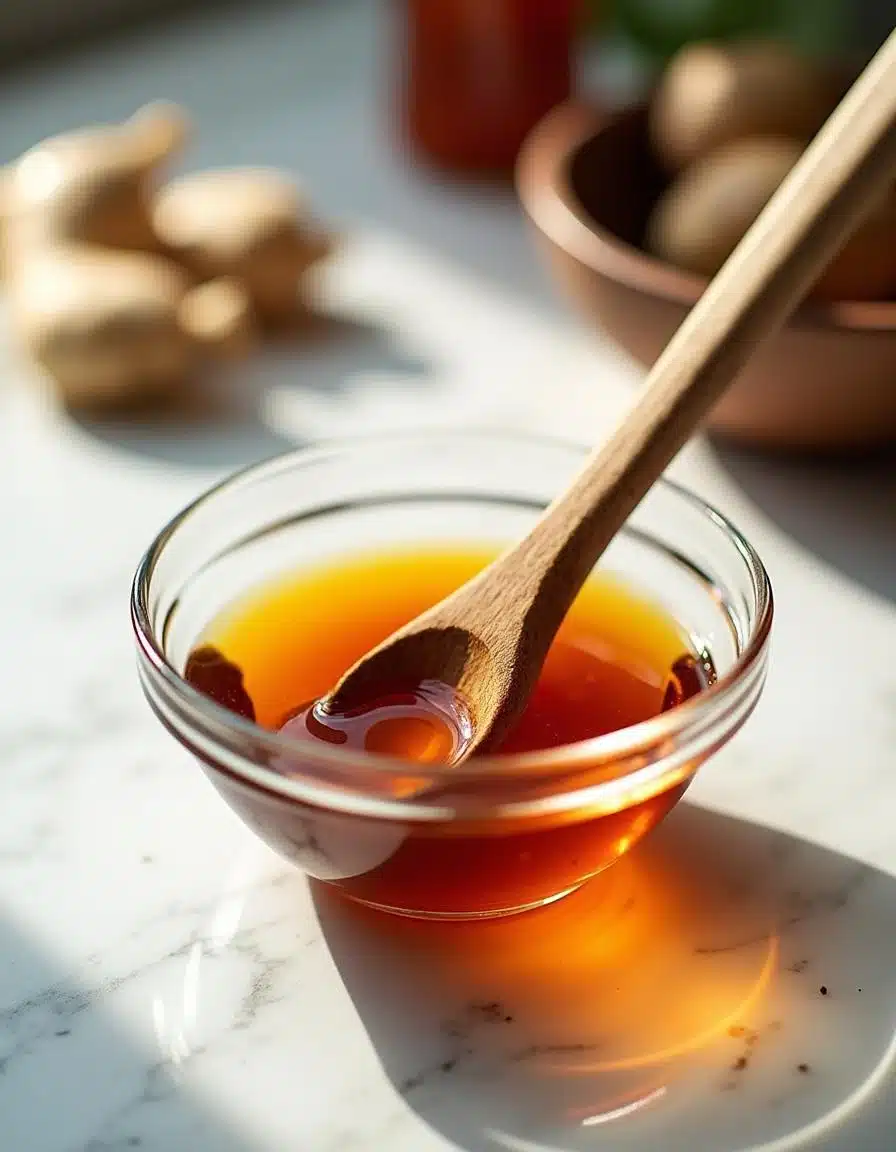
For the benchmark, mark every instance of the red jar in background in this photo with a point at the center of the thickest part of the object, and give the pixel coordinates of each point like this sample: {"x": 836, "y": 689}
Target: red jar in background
{"x": 479, "y": 74}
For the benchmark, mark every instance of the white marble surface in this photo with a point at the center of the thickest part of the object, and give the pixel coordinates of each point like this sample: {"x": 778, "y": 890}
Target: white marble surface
{"x": 167, "y": 985}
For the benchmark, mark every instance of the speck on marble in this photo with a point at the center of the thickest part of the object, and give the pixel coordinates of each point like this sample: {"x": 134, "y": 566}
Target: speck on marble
{"x": 490, "y": 1035}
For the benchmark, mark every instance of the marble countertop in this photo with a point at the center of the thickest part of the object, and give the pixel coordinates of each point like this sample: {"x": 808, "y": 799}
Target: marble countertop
{"x": 166, "y": 984}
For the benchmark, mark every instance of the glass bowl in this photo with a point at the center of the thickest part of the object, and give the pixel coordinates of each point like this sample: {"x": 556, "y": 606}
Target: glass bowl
{"x": 495, "y": 835}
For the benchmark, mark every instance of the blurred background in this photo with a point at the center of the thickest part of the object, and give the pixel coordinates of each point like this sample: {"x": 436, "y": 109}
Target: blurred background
{"x": 348, "y": 215}
{"x": 655, "y": 27}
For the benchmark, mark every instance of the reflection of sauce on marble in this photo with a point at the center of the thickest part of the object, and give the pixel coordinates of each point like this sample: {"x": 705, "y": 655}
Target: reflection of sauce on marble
{"x": 578, "y": 985}
{"x": 540, "y": 1026}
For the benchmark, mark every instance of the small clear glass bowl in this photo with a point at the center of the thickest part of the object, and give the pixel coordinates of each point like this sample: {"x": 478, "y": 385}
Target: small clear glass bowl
{"x": 495, "y": 835}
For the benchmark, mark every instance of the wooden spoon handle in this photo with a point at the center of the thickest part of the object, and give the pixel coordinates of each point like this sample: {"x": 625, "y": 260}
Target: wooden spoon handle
{"x": 834, "y": 184}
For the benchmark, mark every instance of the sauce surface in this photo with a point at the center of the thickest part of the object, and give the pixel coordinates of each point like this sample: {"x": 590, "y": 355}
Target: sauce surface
{"x": 610, "y": 666}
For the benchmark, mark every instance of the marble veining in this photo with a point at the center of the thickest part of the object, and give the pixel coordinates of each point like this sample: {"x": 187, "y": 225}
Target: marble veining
{"x": 171, "y": 985}
{"x": 167, "y": 985}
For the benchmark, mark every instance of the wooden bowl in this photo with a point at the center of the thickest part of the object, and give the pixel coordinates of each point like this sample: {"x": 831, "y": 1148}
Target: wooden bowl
{"x": 826, "y": 382}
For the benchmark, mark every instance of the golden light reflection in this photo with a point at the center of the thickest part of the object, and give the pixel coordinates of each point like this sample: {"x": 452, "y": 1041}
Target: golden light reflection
{"x": 649, "y": 963}
{"x": 701, "y": 1039}
{"x": 623, "y": 1110}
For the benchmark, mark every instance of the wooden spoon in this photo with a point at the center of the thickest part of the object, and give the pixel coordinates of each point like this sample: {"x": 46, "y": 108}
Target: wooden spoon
{"x": 490, "y": 638}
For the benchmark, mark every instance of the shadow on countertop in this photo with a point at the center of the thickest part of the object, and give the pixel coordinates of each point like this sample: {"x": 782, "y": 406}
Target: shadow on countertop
{"x": 843, "y": 511}
{"x": 225, "y": 423}
{"x": 70, "y": 1078}
{"x": 690, "y": 995}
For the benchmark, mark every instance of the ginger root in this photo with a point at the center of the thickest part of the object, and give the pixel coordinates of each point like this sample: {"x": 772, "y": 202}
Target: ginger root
{"x": 119, "y": 288}
{"x": 92, "y": 298}
{"x": 118, "y": 328}
{"x": 251, "y": 224}
{"x": 93, "y": 186}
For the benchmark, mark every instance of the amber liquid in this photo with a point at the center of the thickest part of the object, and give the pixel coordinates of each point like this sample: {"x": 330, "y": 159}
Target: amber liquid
{"x": 618, "y": 659}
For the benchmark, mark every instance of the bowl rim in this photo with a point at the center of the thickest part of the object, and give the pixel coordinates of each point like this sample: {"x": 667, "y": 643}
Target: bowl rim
{"x": 625, "y": 748}
{"x": 547, "y": 196}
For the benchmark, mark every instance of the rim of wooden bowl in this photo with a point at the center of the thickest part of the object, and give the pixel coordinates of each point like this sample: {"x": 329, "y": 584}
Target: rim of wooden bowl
{"x": 546, "y": 193}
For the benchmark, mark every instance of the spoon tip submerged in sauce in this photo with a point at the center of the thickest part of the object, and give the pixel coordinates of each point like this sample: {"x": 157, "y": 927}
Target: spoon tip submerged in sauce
{"x": 428, "y": 724}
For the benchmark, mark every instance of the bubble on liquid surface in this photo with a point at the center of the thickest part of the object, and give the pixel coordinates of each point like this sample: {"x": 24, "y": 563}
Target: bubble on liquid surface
{"x": 426, "y": 724}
